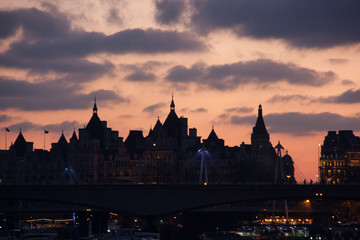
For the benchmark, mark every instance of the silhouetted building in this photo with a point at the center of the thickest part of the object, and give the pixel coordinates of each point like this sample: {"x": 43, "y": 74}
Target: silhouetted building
{"x": 168, "y": 154}
{"x": 288, "y": 168}
{"x": 99, "y": 155}
{"x": 340, "y": 158}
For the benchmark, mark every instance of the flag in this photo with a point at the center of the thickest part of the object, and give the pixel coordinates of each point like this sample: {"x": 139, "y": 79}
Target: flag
{"x": 8, "y": 130}
{"x": 46, "y": 132}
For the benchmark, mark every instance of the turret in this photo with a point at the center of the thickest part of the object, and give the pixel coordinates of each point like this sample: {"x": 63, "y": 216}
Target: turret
{"x": 95, "y": 107}
{"x": 172, "y": 105}
{"x": 260, "y": 141}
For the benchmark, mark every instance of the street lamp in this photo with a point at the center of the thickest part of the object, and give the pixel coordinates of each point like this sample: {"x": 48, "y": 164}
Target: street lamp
{"x": 154, "y": 163}
{"x": 318, "y": 175}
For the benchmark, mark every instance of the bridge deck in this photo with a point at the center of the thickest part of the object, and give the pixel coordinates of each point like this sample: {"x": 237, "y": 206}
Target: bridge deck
{"x": 159, "y": 199}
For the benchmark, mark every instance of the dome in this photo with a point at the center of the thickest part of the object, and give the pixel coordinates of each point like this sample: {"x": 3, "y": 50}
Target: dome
{"x": 287, "y": 159}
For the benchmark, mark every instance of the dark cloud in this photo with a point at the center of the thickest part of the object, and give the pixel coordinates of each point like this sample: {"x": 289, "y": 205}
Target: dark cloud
{"x": 140, "y": 76}
{"x": 78, "y": 70}
{"x": 66, "y": 126}
{"x": 114, "y": 17}
{"x": 151, "y": 41}
{"x": 296, "y": 123}
{"x": 146, "y": 66}
{"x": 154, "y": 107}
{"x": 48, "y": 44}
{"x": 240, "y": 109}
{"x": 318, "y": 24}
{"x": 169, "y": 11}
{"x": 81, "y": 44}
{"x": 288, "y": 98}
{"x": 5, "y": 118}
{"x": 34, "y": 23}
{"x": 347, "y": 82}
{"x": 262, "y": 71}
{"x": 196, "y": 110}
{"x": 51, "y": 36}
{"x": 348, "y": 97}
{"x": 338, "y": 60}
{"x": 53, "y": 95}
{"x": 199, "y": 110}
{"x": 223, "y": 116}
{"x": 23, "y": 126}
{"x": 247, "y": 120}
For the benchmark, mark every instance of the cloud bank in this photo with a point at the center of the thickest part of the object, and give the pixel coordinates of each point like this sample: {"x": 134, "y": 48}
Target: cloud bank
{"x": 261, "y": 71}
{"x": 52, "y": 95}
{"x": 301, "y": 124}
{"x": 304, "y": 24}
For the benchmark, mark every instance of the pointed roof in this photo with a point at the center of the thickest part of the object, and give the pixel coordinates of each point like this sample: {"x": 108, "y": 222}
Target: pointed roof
{"x": 95, "y": 126}
{"x": 20, "y": 140}
{"x": 172, "y": 121}
{"x": 260, "y": 125}
{"x": 62, "y": 140}
{"x": 212, "y": 136}
{"x": 20, "y": 145}
{"x": 74, "y": 137}
{"x": 150, "y": 132}
{"x": 158, "y": 125}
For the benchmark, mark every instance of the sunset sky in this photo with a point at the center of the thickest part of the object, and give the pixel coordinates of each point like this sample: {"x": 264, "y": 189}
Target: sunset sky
{"x": 220, "y": 59}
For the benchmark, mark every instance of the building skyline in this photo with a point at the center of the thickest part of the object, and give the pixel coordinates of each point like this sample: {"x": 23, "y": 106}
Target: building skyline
{"x": 221, "y": 60}
{"x": 167, "y": 154}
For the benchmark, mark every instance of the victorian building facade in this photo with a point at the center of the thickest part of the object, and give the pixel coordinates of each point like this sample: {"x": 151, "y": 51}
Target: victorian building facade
{"x": 340, "y": 158}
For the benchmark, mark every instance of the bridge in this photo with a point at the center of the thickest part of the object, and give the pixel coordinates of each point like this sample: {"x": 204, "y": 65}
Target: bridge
{"x": 158, "y": 200}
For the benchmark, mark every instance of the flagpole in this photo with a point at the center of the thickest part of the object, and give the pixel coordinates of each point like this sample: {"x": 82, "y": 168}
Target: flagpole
{"x": 6, "y": 130}
{"x": 45, "y": 132}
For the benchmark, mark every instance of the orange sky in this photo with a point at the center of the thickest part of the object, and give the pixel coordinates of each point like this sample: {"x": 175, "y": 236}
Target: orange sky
{"x": 219, "y": 59}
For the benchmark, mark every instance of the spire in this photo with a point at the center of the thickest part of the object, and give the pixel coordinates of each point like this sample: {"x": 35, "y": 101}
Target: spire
{"x": 95, "y": 107}
{"x": 212, "y": 136}
{"x": 172, "y": 105}
{"x": 62, "y": 139}
{"x": 260, "y": 125}
{"x": 74, "y": 137}
{"x": 260, "y": 111}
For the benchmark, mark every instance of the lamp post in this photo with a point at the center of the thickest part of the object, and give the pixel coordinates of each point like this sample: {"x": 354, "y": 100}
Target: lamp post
{"x": 318, "y": 175}
{"x": 154, "y": 164}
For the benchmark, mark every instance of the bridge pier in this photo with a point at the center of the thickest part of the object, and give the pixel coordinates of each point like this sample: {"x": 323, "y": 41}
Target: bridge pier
{"x": 149, "y": 225}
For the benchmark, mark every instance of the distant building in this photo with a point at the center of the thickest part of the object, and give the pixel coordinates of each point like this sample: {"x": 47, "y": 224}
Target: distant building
{"x": 168, "y": 154}
{"x": 340, "y": 158}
